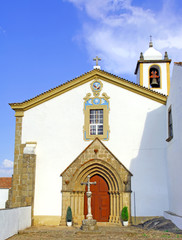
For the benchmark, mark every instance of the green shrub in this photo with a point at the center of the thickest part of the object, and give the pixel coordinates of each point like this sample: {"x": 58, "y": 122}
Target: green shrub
{"x": 124, "y": 214}
{"x": 69, "y": 215}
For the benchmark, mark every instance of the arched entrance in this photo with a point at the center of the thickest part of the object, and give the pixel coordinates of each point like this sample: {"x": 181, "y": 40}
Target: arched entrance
{"x": 111, "y": 193}
{"x": 100, "y": 200}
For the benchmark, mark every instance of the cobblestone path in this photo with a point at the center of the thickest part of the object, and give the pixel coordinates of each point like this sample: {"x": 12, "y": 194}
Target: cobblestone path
{"x": 105, "y": 232}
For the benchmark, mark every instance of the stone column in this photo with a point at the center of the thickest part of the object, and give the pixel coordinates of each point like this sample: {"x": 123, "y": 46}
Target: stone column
{"x": 115, "y": 206}
{"x": 67, "y": 199}
{"x": 111, "y": 207}
{"x": 82, "y": 203}
{"x": 118, "y": 208}
{"x": 72, "y": 203}
{"x": 76, "y": 204}
{"x": 23, "y": 181}
{"x": 121, "y": 201}
{"x": 15, "y": 192}
{"x": 80, "y": 215}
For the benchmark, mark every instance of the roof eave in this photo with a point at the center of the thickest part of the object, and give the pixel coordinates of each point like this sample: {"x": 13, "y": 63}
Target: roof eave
{"x": 19, "y": 108}
{"x": 151, "y": 61}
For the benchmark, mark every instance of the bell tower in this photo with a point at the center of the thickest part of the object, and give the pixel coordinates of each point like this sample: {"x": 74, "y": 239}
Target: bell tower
{"x": 153, "y": 71}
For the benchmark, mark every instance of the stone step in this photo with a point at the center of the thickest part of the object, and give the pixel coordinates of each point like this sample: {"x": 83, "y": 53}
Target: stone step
{"x": 108, "y": 224}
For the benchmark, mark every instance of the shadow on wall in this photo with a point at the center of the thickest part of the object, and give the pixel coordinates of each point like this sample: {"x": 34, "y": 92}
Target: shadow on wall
{"x": 149, "y": 181}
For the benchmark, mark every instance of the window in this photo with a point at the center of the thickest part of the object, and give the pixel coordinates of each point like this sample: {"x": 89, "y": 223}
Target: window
{"x": 170, "y": 125}
{"x": 154, "y": 77}
{"x": 96, "y": 122}
{"x": 96, "y": 113}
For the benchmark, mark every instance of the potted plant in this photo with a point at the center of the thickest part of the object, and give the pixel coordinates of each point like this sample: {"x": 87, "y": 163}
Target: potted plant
{"x": 124, "y": 216}
{"x": 69, "y": 217}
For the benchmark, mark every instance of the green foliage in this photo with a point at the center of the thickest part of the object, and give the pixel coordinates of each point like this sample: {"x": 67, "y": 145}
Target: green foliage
{"x": 69, "y": 215}
{"x": 124, "y": 214}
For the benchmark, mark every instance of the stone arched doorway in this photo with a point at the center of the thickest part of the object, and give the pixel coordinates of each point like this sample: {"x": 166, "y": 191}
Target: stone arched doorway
{"x": 100, "y": 203}
{"x": 96, "y": 159}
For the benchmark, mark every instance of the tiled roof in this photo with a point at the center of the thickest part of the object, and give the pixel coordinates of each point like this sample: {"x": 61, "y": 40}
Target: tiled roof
{"x": 79, "y": 80}
{"x": 5, "y": 182}
{"x": 178, "y": 63}
{"x": 50, "y": 90}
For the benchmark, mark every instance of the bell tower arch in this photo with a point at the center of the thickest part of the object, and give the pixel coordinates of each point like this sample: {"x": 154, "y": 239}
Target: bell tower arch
{"x": 153, "y": 71}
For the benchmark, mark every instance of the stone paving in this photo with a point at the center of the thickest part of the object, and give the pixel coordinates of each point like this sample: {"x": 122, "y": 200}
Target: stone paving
{"x": 104, "y": 233}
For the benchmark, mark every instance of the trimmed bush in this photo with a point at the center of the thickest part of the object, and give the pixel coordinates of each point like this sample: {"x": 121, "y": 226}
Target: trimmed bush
{"x": 69, "y": 215}
{"x": 124, "y": 214}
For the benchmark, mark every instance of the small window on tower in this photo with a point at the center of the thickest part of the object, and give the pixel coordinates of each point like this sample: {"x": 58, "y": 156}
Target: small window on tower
{"x": 154, "y": 77}
{"x": 170, "y": 125}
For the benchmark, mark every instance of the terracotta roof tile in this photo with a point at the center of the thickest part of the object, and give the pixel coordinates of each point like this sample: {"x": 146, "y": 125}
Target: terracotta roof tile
{"x": 95, "y": 70}
{"x": 178, "y": 63}
{"x": 5, "y": 182}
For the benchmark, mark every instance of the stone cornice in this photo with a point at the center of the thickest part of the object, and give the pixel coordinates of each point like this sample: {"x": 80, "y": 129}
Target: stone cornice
{"x": 150, "y": 61}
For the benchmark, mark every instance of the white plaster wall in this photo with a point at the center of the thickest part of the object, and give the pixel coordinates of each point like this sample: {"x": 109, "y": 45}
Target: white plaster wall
{"x": 13, "y": 220}
{"x": 163, "y": 68}
{"x": 3, "y": 197}
{"x": 137, "y": 139}
{"x": 174, "y": 147}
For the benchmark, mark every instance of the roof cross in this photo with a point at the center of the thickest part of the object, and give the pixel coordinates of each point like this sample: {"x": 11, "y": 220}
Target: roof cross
{"x": 97, "y": 59}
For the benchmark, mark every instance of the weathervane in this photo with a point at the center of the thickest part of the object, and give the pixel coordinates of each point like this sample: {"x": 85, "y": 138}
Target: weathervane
{"x": 151, "y": 43}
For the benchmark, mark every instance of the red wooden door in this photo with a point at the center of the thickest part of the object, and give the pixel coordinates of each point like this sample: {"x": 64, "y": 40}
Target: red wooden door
{"x": 100, "y": 200}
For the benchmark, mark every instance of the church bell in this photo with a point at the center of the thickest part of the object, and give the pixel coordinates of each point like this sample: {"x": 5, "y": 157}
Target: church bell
{"x": 154, "y": 82}
{"x": 154, "y": 79}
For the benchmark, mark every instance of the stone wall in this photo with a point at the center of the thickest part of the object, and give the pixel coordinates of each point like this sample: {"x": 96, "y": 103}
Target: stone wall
{"x": 23, "y": 181}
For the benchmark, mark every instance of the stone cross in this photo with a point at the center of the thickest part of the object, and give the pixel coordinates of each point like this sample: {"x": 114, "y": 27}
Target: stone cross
{"x": 97, "y": 59}
{"x": 89, "y": 194}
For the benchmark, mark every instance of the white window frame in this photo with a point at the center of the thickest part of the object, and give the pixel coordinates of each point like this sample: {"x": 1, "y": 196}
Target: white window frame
{"x": 96, "y": 121}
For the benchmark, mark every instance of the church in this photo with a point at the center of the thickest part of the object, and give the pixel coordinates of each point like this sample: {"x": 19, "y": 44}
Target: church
{"x": 101, "y": 125}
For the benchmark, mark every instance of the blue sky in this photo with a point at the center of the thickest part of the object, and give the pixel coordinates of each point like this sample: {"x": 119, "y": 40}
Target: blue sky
{"x": 47, "y": 42}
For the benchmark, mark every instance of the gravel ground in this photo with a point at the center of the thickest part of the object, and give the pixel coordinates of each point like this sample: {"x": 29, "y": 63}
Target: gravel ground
{"x": 104, "y": 232}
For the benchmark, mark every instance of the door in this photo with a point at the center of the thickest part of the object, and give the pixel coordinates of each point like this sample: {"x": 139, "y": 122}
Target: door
{"x": 100, "y": 201}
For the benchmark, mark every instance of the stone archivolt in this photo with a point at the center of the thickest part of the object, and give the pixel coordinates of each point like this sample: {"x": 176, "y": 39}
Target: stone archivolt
{"x": 95, "y": 159}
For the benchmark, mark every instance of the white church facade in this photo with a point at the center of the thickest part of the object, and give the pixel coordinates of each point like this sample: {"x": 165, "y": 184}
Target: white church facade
{"x": 104, "y": 126}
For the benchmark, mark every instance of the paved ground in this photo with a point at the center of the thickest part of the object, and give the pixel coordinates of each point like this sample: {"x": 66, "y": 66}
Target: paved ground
{"x": 105, "y": 232}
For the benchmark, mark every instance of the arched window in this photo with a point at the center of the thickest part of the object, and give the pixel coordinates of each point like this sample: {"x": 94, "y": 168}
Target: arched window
{"x": 154, "y": 76}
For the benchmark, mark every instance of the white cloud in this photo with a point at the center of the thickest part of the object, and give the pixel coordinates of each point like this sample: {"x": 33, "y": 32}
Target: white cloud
{"x": 6, "y": 168}
{"x": 7, "y": 163}
{"x": 118, "y": 31}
